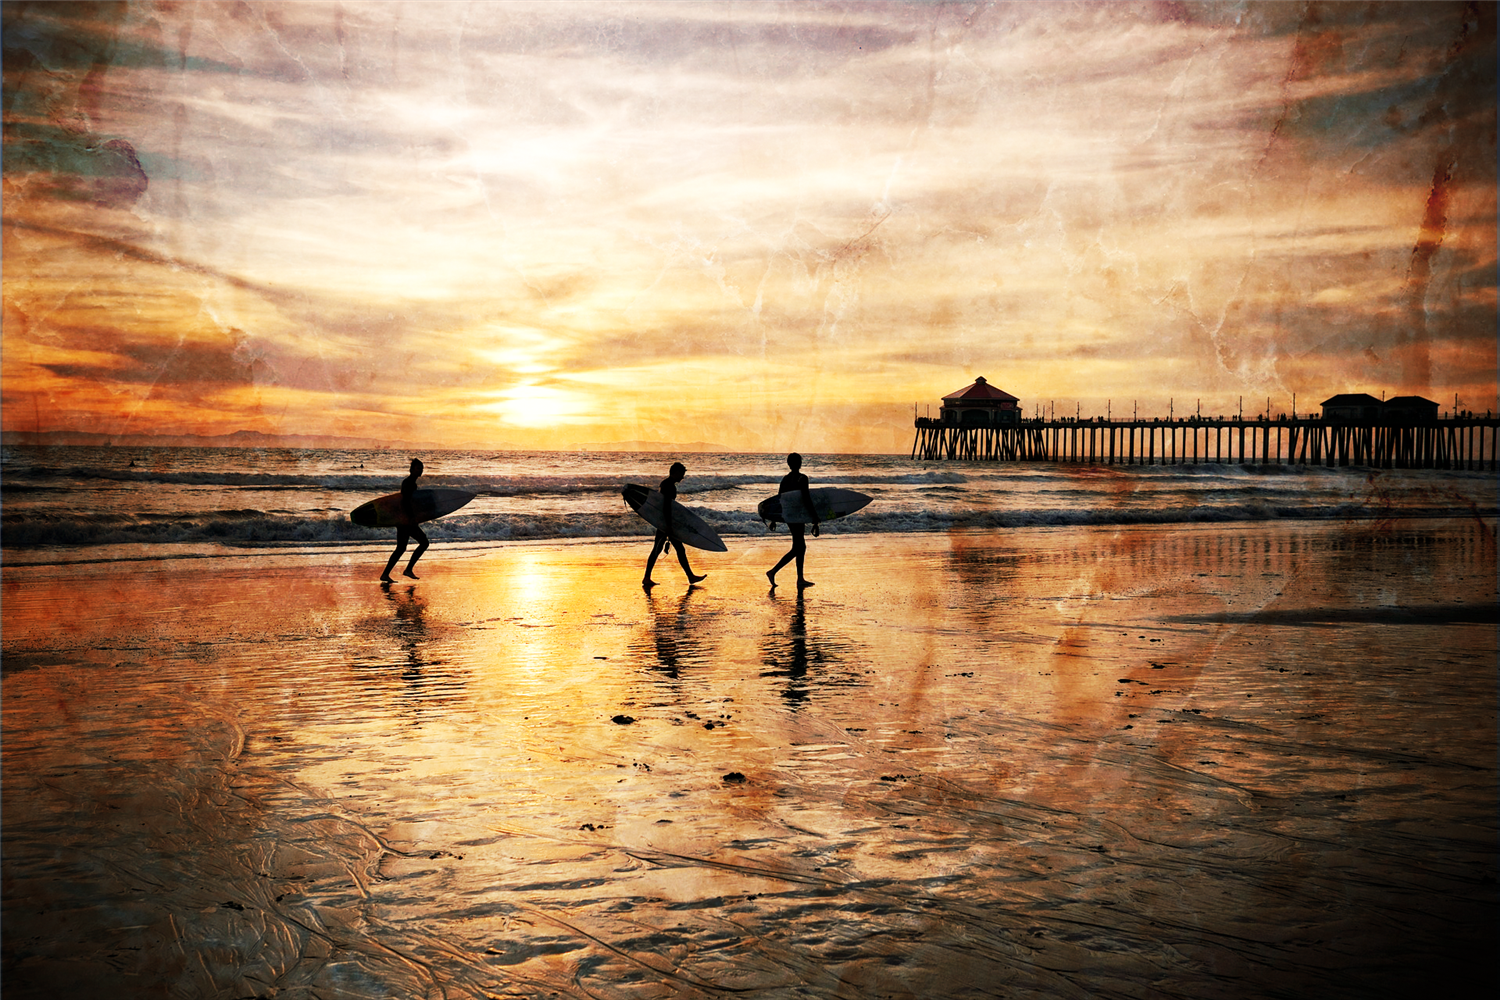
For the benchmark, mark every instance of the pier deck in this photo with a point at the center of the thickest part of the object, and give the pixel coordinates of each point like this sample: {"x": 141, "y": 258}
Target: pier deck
{"x": 1450, "y": 443}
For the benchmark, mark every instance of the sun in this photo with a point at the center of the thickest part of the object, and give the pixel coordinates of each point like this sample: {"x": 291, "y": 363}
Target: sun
{"x": 533, "y": 405}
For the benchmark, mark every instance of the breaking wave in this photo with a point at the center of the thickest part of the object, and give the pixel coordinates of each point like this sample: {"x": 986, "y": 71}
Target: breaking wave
{"x": 251, "y": 528}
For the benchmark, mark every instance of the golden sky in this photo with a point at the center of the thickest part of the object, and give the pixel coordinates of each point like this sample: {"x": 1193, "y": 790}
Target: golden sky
{"x": 767, "y": 226}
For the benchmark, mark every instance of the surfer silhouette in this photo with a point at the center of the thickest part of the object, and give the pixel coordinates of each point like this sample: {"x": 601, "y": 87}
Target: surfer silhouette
{"x": 410, "y": 529}
{"x": 795, "y": 480}
{"x": 664, "y": 535}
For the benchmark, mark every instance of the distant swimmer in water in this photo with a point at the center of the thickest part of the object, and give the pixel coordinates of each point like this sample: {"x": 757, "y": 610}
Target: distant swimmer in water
{"x": 795, "y": 480}
{"x": 410, "y": 529}
{"x": 664, "y": 535}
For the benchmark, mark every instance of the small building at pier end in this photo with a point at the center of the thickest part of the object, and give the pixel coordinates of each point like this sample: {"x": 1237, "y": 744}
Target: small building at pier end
{"x": 1363, "y": 408}
{"x": 979, "y": 405}
{"x": 1352, "y": 408}
{"x": 1409, "y": 410}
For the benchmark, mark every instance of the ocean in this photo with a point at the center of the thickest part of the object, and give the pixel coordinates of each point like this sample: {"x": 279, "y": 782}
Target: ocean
{"x": 66, "y": 504}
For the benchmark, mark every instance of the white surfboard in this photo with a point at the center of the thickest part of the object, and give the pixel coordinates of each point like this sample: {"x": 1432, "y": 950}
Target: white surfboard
{"x": 386, "y": 512}
{"x": 687, "y": 527}
{"x": 830, "y": 502}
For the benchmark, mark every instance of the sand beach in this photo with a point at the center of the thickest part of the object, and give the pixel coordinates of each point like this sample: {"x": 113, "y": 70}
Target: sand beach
{"x": 1229, "y": 760}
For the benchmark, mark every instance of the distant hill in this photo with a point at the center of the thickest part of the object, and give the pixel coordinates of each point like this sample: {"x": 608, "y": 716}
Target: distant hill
{"x": 239, "y": 439}
{"x": 256, "y": 439}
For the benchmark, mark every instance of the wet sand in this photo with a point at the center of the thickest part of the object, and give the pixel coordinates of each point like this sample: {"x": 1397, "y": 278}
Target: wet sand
{"x": 1232, "y": 761}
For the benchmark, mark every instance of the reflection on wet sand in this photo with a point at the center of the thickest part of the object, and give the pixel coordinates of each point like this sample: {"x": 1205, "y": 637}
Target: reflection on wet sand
{"x": 789, "y": 650}
{"x": 394, "y": 640}
{"x": 677, "y": 636}
{"x": 1057, "y": 764}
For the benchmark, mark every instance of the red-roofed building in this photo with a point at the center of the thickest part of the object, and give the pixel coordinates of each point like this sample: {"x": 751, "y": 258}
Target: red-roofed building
{"x": 980, "y": 405}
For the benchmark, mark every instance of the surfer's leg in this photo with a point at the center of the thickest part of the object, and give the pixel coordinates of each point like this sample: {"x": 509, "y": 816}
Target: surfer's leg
{"x": 782, "y": 562}
{"x": 395, "y": 556}
{"x": 794, "y": 552}
{"x": 658, "y": 545}
{"x": 799, "y": 552}
{"x": 683, "y": 559}
{"x": 421, "y": 547}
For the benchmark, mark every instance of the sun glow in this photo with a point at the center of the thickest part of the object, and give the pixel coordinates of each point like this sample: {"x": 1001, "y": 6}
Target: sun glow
{"x": 533, "y": 405}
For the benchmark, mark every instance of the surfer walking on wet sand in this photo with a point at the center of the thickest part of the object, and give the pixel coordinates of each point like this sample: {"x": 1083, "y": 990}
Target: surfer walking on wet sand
{"x": 665, "y": 535}
{"x": 795, "y": 480}
{"x": 410, "y": 529}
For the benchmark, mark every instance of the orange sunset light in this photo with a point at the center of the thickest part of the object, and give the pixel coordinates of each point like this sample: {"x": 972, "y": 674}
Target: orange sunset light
{"x": 756, "y": 226}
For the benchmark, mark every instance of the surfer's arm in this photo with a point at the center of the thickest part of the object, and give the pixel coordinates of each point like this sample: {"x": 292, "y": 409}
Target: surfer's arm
{"x": 409, "y": 499}
{"x": 807, "y": 501}
{"x": 668, "y": 494}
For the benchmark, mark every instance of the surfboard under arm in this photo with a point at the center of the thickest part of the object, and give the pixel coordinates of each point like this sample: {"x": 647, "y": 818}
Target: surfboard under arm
{"x": 429, "y": 504}
{"x": 687, "y": 527}
{"x": 829, "y": 503}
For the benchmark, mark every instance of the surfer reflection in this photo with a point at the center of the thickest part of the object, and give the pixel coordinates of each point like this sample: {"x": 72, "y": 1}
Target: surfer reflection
{"x": 788, "y": 655}
{"x": 673, "y": 638}
{"x": 795, "y": 480}
{"x": 410, "y": 629}
{"x": 410, "y": 529}
{"x": 397, "y": 647}
{"x": 665, "y": 535}
{"x": 807, "y": 655}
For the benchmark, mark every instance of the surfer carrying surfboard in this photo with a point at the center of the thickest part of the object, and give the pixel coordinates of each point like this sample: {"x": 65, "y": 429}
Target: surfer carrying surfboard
{"x": 410, "y": 528}
{"x": 795, "y": 480}
{"x": 665, "y": 535}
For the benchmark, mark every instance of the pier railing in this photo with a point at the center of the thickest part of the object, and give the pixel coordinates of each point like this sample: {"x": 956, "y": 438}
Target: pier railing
{"x": 1449, "y": 443}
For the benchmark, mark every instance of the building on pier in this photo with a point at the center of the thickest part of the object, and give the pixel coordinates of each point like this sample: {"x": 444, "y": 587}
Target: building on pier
{"x": 1352, "y": 408}
{"x": 1409, "y": 410}
{"x": 1363, "y": 408}
{"x": 979, "y": 405}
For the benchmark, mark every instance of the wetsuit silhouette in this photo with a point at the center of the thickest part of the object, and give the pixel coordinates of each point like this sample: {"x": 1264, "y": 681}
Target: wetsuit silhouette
{"x": 795, "y": 480}
{"x": 409, "y": 529}
{"x": 664, "y": 536}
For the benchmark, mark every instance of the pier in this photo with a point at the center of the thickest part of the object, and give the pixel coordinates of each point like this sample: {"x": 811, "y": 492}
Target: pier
{"x": 1448, "y": 443}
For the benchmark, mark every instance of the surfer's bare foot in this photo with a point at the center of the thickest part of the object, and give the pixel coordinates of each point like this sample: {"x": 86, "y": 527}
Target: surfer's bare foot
{"x": 771, "y": 575}
{"x": 386, "y": 579}
{"x": 648, "y": 583}
{"x": 410, "y": 574}
{"x": 804, "y": 583}
{"x": 699, "y": 578}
